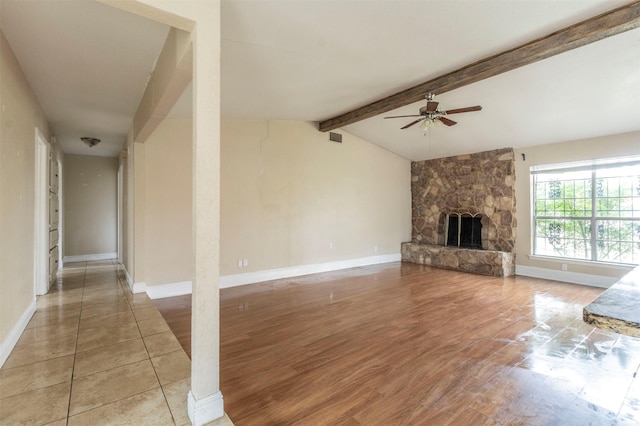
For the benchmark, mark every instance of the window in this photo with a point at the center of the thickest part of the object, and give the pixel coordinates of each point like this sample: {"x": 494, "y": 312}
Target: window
{"x": 588, "y": 211}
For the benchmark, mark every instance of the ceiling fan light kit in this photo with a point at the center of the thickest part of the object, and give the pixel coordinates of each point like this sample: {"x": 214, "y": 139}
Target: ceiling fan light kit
{"x": 431, "y": 116}
{"x": 428, "y": 123}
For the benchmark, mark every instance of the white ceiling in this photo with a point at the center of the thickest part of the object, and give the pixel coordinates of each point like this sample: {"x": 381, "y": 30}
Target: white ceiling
{"x": 314, "y": 59}
{"x": 87, "y": 63}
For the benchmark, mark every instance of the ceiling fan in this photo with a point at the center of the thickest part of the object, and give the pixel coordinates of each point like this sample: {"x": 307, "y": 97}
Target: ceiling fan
{"x": 430, "y": 114}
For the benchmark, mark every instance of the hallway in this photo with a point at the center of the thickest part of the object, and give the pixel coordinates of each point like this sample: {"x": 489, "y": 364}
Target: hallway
{"x": 95, "y": 354}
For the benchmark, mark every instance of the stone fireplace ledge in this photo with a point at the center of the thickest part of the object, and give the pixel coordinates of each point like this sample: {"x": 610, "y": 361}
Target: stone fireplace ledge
{"x": 483, "y": 262}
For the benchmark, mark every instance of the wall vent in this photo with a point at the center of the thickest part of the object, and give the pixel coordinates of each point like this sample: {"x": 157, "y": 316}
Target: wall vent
{"x": 335, "y": 137}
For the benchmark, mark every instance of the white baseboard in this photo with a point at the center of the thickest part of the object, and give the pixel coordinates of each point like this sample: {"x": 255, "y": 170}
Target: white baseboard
{"x": 185, "y": 287}
{"x": 135, "y": 288}
{"x": 138, "y": 288}
{"x": 169, "y": 290}
{"x": 566, "y": 276}
{"x": 16, "y": 331}
{"x": 90, "y": 257}
{"x": 205, "y": 410}
{"x": 295, "y": 271}
{"x": 126, "y": 275}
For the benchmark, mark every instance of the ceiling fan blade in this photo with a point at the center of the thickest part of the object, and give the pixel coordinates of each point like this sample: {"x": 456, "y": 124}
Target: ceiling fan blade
{"x": 403, "y": 116}
{"x": 412, "y": 123}
{"x": 467, "y": 109}
{"x": 446, "y": 121}
{"x": 432, "y": 106}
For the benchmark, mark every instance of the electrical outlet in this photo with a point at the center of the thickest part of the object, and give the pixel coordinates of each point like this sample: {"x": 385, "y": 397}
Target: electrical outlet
{"x": 330, "y": 245}
{"x": 375, "y": 249}
{"x": 245, "y": 262}
{"x": 564, "y": 266}
{"x": 239, "y": 263}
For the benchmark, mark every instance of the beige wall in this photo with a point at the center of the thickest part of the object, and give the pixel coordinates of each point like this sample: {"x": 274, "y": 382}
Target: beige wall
{"x": 20, "y": 114}
{"x": 90, "y": 205}
{"x": 587, "y": 149}
{"x": 167, "y": 209}
{"x": 288, "y": 194}
{"x": 285, "y": 199}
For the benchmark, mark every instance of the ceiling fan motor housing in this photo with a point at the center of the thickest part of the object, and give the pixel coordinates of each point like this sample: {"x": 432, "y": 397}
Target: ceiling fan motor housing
{"x": 425, "y": 111}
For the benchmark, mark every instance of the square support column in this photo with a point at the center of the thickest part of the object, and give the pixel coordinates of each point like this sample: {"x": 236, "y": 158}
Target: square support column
{"x": 205, "y": 400}
{"x": 199, "y": 25}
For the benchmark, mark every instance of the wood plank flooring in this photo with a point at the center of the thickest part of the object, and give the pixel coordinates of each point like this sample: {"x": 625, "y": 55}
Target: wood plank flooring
{"x": 400, "y": 344}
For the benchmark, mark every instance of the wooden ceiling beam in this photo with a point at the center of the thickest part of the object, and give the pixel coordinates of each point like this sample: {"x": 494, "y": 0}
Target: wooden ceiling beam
{"x": 614, "y": 22}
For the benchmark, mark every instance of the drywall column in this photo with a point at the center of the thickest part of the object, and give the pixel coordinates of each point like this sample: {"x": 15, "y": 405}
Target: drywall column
{"x": 202, "y": 19}
{"x": 205, "y": 400}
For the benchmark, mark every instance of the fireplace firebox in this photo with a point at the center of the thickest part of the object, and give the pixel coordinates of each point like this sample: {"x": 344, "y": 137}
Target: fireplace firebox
{"x": 463, "y": 230}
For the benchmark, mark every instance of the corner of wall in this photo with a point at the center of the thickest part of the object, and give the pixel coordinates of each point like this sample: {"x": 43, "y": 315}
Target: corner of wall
{"x": 16, "y": 331}
{"x": 135, "y": 288}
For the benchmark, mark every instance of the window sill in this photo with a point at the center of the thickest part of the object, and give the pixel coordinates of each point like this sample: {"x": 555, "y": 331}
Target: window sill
{"x": 618, "y": 266}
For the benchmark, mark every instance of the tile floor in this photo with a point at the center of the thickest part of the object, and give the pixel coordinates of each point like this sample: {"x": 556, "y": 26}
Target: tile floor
{"x": 95, "y": 354}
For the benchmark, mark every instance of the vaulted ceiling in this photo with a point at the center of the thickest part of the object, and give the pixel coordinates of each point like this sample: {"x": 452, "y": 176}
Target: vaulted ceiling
{"x": 312, "y": 60}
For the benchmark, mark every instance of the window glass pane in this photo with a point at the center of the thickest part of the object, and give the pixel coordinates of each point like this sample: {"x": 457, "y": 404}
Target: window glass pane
{"x": 618, "y": 240}
{"x": 563, "y": 238}
{"x": 563, "y": 194}
{"x": 618, "y": 192}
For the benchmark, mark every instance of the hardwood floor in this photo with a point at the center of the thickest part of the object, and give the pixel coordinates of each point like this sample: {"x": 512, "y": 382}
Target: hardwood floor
{"x": 409, "y": 344}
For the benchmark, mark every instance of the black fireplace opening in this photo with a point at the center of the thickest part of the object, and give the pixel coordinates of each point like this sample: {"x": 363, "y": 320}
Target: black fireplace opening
{"x": 464, "y": 231}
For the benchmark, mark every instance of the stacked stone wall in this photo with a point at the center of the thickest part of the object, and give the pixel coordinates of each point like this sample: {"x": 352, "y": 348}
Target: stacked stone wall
{"x": 481, "y": 183}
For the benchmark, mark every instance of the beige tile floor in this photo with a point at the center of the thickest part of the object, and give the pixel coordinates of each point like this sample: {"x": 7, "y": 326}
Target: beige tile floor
{"x": 95, "y": 354}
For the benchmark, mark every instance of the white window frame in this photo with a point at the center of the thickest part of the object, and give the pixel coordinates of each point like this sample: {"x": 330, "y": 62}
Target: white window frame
{"x": 592, "y": 166}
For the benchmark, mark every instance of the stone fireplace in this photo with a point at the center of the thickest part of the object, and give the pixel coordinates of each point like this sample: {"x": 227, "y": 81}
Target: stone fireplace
{"x": 463, "y": 213}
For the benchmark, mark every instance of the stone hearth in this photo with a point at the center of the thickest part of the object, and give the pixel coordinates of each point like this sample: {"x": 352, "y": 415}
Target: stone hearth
{"x": 475, "y": 184}
{"x": 484, "y": 262}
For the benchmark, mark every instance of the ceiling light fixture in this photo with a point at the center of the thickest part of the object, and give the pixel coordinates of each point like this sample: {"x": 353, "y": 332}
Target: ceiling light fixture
{"x": 91, "y": 142}
{"x": 429, "y": 122}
